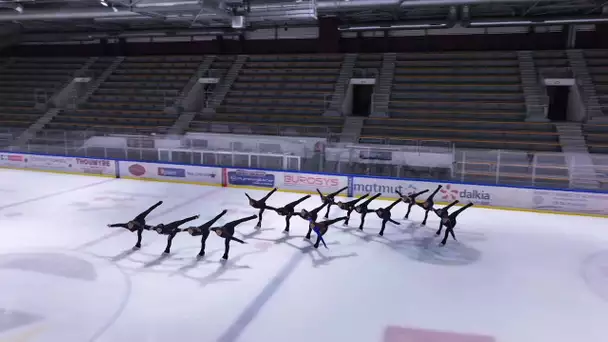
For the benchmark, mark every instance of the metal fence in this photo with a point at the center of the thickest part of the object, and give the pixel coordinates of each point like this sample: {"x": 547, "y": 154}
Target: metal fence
{"x": 415, "y": 160}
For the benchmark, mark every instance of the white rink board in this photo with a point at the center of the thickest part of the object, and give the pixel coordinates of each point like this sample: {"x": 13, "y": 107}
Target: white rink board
{"x": 293, "y": 181}
{"x": 60, "y": 164}
{"x": 170, "y": 172}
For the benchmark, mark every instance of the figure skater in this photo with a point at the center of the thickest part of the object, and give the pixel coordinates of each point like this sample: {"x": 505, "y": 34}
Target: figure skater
{"x": 171, "y": 229}
{"x": 363, "y": 210}
{"x": 138, "y": 224}
{"x": 289, "y": 210}
{"x": 427, "y": 205}
{"x": 311, "y": 215}
{"x": 443, "y": 213}
{"x": 227, "y": 232}
{"x": 320, "y": 228}
{"x": 410, "y": 200}
{"x": 449, "y": 222}
{"x": 349, "y": 207}
{"x": 329, "y": 199}
{"x": 261, "y": 205}
{"x": 385, "y": 215}
{"x": 204, "y": 230}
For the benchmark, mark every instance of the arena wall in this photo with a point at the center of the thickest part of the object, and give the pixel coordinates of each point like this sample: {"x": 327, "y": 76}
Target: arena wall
{"x": 496, "y": 197}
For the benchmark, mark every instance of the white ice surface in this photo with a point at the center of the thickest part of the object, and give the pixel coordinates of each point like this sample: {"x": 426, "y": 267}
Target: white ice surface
{"x": 511, "y": 277}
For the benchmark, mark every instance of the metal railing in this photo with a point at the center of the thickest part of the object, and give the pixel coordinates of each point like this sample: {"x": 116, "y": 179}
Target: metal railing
{"x": 418, "y": 159}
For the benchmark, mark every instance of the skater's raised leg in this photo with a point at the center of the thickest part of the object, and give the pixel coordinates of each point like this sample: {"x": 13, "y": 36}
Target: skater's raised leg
{"x": 143, "y": 215}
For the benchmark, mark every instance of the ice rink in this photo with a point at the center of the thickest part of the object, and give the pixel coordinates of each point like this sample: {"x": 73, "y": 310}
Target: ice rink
{"x": 65, "y": 276}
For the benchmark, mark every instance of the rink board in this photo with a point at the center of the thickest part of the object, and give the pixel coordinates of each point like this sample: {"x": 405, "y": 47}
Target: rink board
{"x": 499, "y": 197}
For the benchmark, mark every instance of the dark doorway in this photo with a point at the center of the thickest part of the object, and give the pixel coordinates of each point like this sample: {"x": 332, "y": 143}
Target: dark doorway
{"x": 362, "y": 99}
{"x": 558, "y": 102}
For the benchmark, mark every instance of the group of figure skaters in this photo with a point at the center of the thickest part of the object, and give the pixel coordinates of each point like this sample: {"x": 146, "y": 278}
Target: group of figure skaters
{"x": 320, "y": 228}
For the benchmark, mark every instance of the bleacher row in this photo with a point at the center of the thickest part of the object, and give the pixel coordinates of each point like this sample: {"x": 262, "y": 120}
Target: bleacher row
{"x": 471, "y": 99}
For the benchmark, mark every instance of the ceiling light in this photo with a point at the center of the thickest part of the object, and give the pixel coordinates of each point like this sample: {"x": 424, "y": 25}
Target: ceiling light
{"x": 114, "y": 9}
{"x": 103, "y": 3}
{"x": 19, "y": 8}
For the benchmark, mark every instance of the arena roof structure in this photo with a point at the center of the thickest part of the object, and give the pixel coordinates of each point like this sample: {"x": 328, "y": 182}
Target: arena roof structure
{"x": 216, "y": 17}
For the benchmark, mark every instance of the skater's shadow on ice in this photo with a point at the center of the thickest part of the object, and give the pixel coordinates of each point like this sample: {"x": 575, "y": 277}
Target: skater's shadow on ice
{"x": 321, "y": 260}
{"x": 426, "y": 248}
{"x": 157, "y": 261}
{"x": 222, "y": 267}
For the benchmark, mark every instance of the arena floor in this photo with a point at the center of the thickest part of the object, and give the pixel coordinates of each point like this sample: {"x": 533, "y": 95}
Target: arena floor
{"x": 65, "y": 276}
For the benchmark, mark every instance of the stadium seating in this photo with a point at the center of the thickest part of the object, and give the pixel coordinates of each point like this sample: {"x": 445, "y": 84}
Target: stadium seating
{"x": 471, "y": 99}
{"x": 597, "y": 64}
{"x": 133, "y": 97}
{"x": 368, "y": 65}
{"x": 597, "y": 137}
{"x": 28, "y": 84}
{"x": 548, "y": 60}
{"x": 279, "y": 94}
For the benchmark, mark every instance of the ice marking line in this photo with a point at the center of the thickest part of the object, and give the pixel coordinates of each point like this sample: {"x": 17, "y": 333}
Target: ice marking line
{"x": 235, "y": 330}
{"x": 6, "y": 206}
{"x": 152, "y": 215}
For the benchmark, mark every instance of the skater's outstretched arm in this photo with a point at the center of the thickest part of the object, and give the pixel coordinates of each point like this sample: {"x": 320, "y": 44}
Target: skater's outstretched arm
{"x": 332, "y": 221}
{"x": 369, "y": 200}
{"x": 209, "y": 223}
{"x": 353, "y": 202}
{"x": 296, "y": 202}
{"x": 450, "y": 205}
{"x": 268, "y": 195}
{"x": 118, "y": 225}
{"x": 237, "y": 240}
{"x": 454, "y": 214}
{"x": 148, "y": 211}
{"x": 180, "y": 222}
{"x": 393, "y": 204}
{"x": 335, "y": 193}
{"x": 435, "y": 192}
{"x": 239, "y": 221}
{"x": 414, "y": 195}
{"x": 317, "y": 209}
{"x": 320, "y": 194}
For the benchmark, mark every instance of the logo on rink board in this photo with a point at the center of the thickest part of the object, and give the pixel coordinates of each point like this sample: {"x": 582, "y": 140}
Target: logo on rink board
{"x": 137, "y": 170}
{"x": 449, "y": 193}
{"x": 12, "y": 157}
{"x": 171, "y": 172}
{"x": 251, "y": 178}
{"x": 311, "y": 180}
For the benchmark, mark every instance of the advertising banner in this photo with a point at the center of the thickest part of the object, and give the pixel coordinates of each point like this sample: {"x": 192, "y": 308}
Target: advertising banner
{"x": 60, "y": 164}
{"x": 478, "y": 194}
{"x": 250, "y": 178}
{"x": 569, "y": 201}
{"x": 310, "y": 182}
{"x": 167, "y": 172}
{"x": 95, "y": 166}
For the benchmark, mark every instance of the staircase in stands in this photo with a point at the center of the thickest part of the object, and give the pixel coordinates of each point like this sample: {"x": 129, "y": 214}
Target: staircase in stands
{"x": 337, "y": 98}
{"x": 233, "y": 73}
{"x": 585, "y": 83}
{"x": 383, "y": 86}
{"x": 581, "y": 168}
{"x": 96, "y": 83}
{"x": 535, "y": 100}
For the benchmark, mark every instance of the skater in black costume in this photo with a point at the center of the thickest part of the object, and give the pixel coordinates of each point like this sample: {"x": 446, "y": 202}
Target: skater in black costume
{"x": 171, "y": 229}
{"x": 227, "y": 232}
{"x": 410, "y": 200}
{"x": 311, "y": 216}
{"x": 449, "y": 221}
{"x": 363, "y": 210}
{"x": 385, "y": 215}
{"x": 204, "y": 230}
{"x": 329, "y": 199}
{"x": 350, "y": 207}
{"x": 321, "y": 228}
{"x": 443, "y": 212}
{"x": 261, "y": 205}
{"x": 427, "y": 205}
{"x": 289, "y": 210}
{"x": 138, "y": 224}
